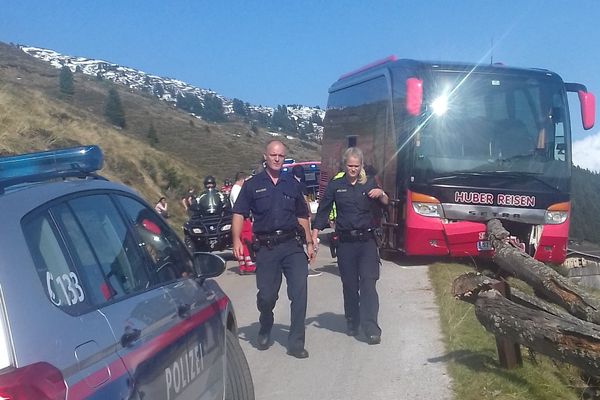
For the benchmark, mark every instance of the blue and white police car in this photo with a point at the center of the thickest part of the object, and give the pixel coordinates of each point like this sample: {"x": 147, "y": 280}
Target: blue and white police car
{"x": 99, "y": 299}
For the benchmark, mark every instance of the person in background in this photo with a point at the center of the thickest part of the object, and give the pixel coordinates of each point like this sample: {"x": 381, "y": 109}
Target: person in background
{"x": 358, "y": 199}
{"x": 247, "y": 265}
{"x": 277, "y": 206}
{"x": 298, "y": 172}
{"x": 211, "y": 201}
{"x": 186, "y": 201}
{"x": 161, "y": 207}
{"x": 240, "y": 177}
{"x": 226, "y": 188}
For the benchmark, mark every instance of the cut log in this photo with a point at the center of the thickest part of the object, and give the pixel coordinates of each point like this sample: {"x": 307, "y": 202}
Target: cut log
{"x": 546, "y": 282}
{"x": 575, "y": 342}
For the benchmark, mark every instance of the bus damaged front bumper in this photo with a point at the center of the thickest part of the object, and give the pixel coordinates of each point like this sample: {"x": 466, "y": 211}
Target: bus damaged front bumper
{"x": 430, "y": 236}
{"x": 435, "y": 236}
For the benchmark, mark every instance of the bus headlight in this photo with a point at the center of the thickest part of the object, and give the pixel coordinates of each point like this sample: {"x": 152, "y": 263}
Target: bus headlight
{"x": 557, "y": 213}
{"x": 556, "y": 217}
{"x": 427, "y": 209}
{"x": 427, "y": 206}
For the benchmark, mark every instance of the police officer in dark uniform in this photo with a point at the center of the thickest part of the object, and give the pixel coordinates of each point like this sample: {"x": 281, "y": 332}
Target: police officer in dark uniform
{"x": 358, "y": 202}
{"x": 278, "y": 207}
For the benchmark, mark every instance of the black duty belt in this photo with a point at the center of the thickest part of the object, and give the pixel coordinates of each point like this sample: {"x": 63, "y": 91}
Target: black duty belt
{"x": 274, "y": 238}
{"x": 356, "y": 235}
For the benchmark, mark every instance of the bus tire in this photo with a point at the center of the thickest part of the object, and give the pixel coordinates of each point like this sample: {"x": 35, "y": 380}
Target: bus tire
{"x": 238, "y": 384}
{"x": 387, "y": 254}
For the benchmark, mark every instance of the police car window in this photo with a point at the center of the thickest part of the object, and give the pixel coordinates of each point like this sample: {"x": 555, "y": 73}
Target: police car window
{"x": 170, "y": 259}
{"x": 60, "y": 280}
{"x": 82, "y": 253}
{"x": 113, "y": 246}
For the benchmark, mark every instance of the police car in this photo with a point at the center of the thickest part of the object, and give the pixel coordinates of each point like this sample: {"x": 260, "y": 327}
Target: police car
{"x": 99, "y": 299}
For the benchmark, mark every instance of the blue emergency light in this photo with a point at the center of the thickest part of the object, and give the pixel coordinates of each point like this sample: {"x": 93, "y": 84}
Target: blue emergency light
{"x": 39, "y": 166}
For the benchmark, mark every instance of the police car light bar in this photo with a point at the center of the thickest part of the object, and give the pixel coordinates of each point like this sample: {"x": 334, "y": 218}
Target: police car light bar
{"x": 39, "y": 166}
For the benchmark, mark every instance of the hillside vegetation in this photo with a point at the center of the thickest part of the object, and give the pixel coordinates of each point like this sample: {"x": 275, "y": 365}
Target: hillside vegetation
{"x": 36, "y": 115}
{"x": 585, "y": 196}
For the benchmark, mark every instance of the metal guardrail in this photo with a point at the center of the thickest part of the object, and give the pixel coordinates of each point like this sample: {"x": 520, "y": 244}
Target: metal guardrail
{"x": 571, "y": 252}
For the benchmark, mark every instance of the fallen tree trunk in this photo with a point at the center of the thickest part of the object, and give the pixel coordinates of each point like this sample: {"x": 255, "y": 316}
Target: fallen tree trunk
{"x": 568, "y": 339}
{"x": 575, "y": 343}
{"x": 546, "y": 282}
{"x": 466, "y": 287}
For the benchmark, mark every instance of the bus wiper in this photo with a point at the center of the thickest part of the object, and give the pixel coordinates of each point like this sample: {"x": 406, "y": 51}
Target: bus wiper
{"x": 502, "y": 173}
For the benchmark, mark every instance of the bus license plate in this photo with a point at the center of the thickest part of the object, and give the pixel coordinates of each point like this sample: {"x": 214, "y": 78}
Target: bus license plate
{"x": 484, "y": 245}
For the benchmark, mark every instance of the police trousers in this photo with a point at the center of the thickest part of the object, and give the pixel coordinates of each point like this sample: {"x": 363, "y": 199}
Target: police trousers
{"x": 289, "y": 258}
{"x": 359, "y": 266}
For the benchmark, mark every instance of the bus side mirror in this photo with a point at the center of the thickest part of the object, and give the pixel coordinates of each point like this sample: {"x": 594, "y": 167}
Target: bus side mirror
{"x": 587, "y": 101}
{"x": 414, "y": 96}
{"x": 588, "y": 109}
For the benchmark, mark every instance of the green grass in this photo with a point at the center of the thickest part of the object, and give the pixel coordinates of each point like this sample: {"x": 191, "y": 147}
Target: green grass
{"x": 473, "y": 361}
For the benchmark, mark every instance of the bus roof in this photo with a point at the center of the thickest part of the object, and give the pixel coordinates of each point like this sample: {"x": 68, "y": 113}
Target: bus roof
{"x": 391, "y": 63}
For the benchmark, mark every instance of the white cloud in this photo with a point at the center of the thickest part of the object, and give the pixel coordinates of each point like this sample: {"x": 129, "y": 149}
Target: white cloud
{"x": 586, "y": 152}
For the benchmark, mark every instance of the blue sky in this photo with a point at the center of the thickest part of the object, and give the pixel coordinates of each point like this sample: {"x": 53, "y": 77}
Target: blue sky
{"x": 277, "y": 52}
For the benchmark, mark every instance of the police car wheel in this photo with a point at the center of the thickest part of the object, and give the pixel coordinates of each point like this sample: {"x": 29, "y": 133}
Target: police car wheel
{"x": 239, "y": 384}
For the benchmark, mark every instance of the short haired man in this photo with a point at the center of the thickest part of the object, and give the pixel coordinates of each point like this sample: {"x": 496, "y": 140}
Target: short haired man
{"x": 277, "y": 206}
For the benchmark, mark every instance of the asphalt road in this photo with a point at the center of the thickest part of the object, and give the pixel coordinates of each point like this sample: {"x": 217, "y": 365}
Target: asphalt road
{"x": 408, "y": 364}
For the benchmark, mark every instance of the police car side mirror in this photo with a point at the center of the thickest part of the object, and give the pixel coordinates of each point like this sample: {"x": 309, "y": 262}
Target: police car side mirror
{"x": 207, "y": 265}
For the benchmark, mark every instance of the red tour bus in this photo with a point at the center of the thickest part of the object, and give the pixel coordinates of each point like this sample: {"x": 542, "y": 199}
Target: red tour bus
{"x": 455, "y": 145}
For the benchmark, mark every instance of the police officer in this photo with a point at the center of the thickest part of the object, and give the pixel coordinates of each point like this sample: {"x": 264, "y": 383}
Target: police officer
{"x": 358, "y": 203}
{"x": 277, "y": 206}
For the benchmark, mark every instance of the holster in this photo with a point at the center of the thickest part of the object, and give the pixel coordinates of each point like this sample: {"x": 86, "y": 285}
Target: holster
{"x": 334, "y": 241}
{"x": 378, "y": 236}
{"x": 253, "y": 247}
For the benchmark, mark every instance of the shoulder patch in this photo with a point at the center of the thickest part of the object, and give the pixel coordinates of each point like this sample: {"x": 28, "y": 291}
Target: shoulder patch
{"x": 339, "y": 175}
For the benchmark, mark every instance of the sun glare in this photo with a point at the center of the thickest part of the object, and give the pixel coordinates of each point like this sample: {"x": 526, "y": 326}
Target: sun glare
{"x": 440, "y": 105}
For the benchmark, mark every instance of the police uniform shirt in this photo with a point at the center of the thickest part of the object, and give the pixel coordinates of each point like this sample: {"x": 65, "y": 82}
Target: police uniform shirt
{"x": 354, "y": 208}
{"x": 273, "y": 207}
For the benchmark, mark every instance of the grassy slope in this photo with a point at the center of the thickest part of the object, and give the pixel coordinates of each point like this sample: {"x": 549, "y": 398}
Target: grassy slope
{"x": 35, "y": 116}
{"x": 473, "y": 362}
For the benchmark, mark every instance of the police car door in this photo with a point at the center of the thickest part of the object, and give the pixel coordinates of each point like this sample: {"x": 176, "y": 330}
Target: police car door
{"x": 193, "y": 365}
{"x": 73, "y": 284}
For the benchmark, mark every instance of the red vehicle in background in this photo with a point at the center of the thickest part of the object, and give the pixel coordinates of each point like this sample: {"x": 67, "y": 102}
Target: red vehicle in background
{"x": 455, "y": 145}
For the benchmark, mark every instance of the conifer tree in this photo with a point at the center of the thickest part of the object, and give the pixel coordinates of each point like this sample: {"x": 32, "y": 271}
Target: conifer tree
{"x": 239, "y": 107}
{"x": 213, "y": 109}
{"x": 282, "y": 120}
{"x": 152, "y": 136}
{"x": 65, "y": 81}
{"x": 316, "y": 118}
{"x": 113, "y": 109}
{"x": 158, "y": 90}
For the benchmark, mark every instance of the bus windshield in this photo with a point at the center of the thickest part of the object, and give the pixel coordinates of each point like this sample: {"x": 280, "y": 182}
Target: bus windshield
{"x": 484, "y": 123}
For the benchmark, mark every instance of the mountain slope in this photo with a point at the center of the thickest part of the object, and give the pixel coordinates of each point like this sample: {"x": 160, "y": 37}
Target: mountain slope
{"x": 34, "y": 115}
{"x": 302, "y": 119}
